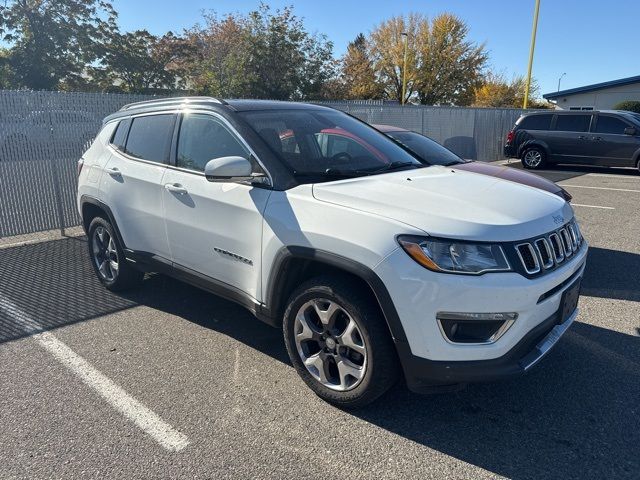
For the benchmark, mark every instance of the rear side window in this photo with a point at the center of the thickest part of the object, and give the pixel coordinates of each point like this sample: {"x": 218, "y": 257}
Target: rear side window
{"x": 120, "y": 135}
{"x": 573, "y": 123}
{"x": 536, "y": 122}
{"x": 150, "y": 137}
{"x": 610, "y": 125}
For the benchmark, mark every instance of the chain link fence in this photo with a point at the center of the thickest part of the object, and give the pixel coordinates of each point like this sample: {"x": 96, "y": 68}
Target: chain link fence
{"x": 43, "y": 134}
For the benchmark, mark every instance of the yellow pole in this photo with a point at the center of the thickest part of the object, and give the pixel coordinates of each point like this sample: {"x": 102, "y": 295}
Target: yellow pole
{"x": 404, "y": 68}
{"x": 533, "y": 46}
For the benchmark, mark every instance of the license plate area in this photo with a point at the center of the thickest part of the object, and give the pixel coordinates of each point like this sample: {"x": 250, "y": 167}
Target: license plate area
{"x": 569, "y": 301}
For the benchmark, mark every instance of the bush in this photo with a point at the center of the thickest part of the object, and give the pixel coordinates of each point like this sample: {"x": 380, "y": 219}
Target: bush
{"x": 630, "y": 105}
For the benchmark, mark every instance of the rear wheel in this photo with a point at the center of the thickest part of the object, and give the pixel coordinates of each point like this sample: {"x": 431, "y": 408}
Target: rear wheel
{"x": 338, "y": 342}
{"x": 533, "y": 158}
{"x": 107, "y": 258}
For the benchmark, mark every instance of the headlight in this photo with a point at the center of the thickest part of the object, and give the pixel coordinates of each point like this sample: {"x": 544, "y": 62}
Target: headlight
{"x": 454, "y": 256}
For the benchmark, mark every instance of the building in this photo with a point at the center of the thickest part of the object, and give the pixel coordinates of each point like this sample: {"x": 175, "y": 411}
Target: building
{"x": 599, "y": 96}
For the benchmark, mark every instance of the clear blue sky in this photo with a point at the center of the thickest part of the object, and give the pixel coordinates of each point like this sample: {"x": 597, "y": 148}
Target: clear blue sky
{"x": 591, "y": 40}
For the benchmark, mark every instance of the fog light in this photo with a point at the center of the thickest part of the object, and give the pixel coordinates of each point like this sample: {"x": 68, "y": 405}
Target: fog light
{"x": 474, "y": 328}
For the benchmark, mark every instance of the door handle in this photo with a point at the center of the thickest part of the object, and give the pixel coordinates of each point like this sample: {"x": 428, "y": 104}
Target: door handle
{"x": 597, "y": 139}
{"x": 115, "y": 171}
{"x": 176, "y": 188}
{"x": 583, "y": 137}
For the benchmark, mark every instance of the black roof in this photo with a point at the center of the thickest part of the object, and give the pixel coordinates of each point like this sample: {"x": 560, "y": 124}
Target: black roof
{"x": 595, "y": 86}
{"x": 245, "y": 105}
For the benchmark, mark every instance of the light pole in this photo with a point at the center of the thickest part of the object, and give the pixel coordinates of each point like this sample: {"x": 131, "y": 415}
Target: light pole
{"x": 560, "y": 80}
{"x": 404, "y": 67}
{"x": 533, "y": 46}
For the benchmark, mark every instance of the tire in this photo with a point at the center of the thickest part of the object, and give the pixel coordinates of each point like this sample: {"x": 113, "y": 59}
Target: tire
{"x": 108, "y": 260}
{"x": 533, "y": 158}
{"x": 364, "y": 349}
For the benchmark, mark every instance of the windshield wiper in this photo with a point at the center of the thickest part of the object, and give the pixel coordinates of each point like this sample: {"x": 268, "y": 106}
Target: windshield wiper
{"x": 334, "y": 172}
{"x": 393, "y": 166}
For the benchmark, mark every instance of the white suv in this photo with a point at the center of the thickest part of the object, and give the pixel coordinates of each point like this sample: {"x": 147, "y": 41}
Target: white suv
{"x": 373, "y": 263}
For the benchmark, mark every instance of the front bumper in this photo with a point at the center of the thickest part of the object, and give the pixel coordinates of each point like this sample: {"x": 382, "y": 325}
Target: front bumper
{"x": 429, "y": 360}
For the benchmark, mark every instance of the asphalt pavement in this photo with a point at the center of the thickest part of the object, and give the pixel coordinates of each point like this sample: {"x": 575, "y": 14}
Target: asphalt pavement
{"x": 172, "y": 382}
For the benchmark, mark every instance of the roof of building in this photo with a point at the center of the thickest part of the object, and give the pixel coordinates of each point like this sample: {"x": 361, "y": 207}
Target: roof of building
{"x": 595, "y": 86}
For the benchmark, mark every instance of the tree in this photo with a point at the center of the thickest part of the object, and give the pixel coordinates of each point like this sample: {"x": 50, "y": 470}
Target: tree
{"x": 443, "y": 67}
{"x": 6, "y": 72}
{"x": 496, "y": 91}
{"x": 358, "y": 75}
{"x": 629, "y": 105}
{"x": 139, "y": 62}
{"x": 53, "y": 40}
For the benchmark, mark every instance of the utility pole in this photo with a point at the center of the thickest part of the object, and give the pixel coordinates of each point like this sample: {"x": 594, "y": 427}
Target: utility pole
{"x": 404, "y": 67}
{"x": 533, "y": 46}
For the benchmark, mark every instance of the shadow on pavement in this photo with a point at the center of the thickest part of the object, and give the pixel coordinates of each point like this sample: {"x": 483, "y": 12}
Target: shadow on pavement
{"x": 560, "y": 173}
{"x": 612, "y": 274}
{"x": 575, "y": 416}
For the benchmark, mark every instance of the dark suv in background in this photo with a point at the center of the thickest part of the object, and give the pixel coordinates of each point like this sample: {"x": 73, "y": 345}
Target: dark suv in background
{"x": 606, "y": 137}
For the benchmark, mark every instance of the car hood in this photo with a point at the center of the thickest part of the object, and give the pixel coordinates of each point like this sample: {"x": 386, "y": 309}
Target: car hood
{"x": 512, "y": 174}
{"x": 447, "y": 202}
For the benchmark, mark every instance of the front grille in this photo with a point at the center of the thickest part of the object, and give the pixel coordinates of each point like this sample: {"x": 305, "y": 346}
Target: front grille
{"x": 550, "y": 250}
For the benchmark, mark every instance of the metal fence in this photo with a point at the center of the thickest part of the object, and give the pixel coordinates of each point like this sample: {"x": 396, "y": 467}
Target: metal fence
{"x": 42, "y": 135}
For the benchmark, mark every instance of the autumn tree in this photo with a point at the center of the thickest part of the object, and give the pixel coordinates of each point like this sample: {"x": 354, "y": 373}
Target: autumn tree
{"x": 443, "y": 66}
{"x": 358, "y": 75}
{"x": 53, "y": 40}
{"x": 496, "y": 91}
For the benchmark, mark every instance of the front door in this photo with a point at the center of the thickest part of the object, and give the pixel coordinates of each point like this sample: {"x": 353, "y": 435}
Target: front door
{"x": 214, "y": 229}
{"x": 610, "y": 144}
{"x": 569, "y": 140}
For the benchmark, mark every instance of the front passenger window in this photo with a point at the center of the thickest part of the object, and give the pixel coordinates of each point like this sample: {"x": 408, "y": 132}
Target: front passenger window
{"x": 203, "y": 138}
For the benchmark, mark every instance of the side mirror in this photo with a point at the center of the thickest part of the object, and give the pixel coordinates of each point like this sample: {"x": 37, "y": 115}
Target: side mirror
{"x": 228, "y": 169}
{"x": 630, "y": 131}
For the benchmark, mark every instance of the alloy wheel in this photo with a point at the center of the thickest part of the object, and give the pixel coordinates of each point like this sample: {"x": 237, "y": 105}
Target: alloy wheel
{"x": 105, "y": 254}
{"x": 330, "y": 344}
{"x": 532, "y": 158}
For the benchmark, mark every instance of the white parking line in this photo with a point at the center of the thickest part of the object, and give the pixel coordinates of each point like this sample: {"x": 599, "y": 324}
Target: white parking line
{"x": 591, "y": 206}
{"x": 599, "y": 188}
{"x": 114, "y": 395}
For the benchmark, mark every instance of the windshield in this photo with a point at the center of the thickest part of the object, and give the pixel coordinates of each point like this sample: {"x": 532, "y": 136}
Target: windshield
{"x": 429, "y": 150}
{"x": 325, "y": 143}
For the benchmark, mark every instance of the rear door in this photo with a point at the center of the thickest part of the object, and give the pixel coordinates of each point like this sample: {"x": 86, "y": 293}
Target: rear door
{"x": 569, "y": 139}
{"x": 132, "y": 178}
{"x": 610, "y": 144}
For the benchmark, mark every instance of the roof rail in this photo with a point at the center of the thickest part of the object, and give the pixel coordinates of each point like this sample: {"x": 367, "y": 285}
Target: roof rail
{"x": 172, "y": 101}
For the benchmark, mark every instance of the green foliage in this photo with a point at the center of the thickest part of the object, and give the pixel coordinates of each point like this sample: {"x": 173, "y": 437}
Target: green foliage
{"x": 139, "y": 62}
{"x": 629, "y": 105}
{"x": 53, "y": 40}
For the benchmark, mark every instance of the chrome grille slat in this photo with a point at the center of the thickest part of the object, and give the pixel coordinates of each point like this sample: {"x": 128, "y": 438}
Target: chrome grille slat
{"x": 549, "y": 251}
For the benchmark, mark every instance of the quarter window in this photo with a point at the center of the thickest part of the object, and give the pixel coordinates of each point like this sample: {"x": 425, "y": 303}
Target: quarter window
{"x": 150, "y": 137}
{"x": 536, "y": 122}
{"x": 203, "y": 138}
{"x": 573, "y": 123}
{"x": 610, "y": 125}
{"x": 120, "y": 135}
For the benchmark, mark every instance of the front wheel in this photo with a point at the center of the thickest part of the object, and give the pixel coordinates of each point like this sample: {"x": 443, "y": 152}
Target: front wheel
{"x": 338, "y": 341}
{"x": 533, "y": 158}
{"x": 107, "y": 258}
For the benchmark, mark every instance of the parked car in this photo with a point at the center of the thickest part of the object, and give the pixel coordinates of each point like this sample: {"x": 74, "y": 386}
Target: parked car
{"x": 607, "y": 137}
{"x": 373, "y": 265}
{"x": 433, "y": 153}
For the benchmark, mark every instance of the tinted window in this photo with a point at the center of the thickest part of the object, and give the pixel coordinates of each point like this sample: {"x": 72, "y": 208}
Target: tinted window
{"x": 120, "y": 135}
{"x": 610, "y": 125}
{"x": 203, "y": 138}
{"x": 536, "y": 122}
{"x": 573, "y": 123}
{"x": 150, "y": 137}
{"x": 314, "y": 142}
{"x": 429, "y": 150}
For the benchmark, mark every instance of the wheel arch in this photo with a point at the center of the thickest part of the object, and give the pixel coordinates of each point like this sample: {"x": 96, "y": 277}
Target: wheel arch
{"x": 534, "y": 143}
{"x": 294, "y": 265}
{"x": 91, "y": 208}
